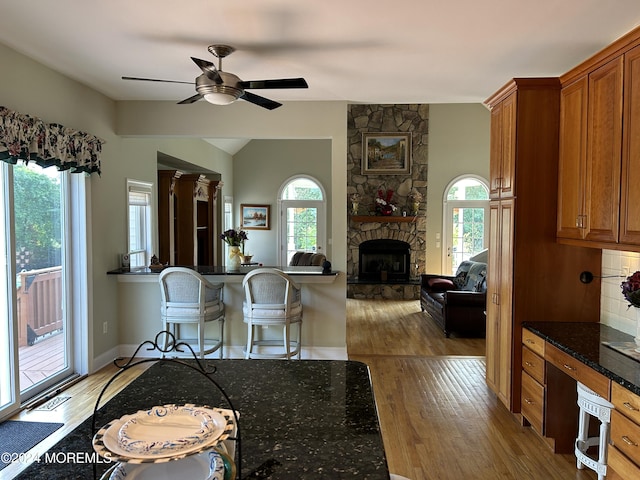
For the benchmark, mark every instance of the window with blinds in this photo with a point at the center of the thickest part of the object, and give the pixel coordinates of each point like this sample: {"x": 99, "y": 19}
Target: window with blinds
{"x": 139, "y": 202}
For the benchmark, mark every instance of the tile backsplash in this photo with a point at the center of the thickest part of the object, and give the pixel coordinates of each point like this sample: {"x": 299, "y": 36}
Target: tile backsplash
{"x": 614, "y": 309}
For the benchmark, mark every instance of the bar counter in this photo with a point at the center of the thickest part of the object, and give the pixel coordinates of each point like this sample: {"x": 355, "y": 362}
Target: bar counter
{"x": 323, "y": 299}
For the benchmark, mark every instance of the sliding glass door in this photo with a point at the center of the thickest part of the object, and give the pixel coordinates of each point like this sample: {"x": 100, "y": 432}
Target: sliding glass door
{"x": 35, "y": 332}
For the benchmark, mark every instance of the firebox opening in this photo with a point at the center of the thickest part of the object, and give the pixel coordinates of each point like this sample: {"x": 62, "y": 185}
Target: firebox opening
{"x": 385, "y": 260}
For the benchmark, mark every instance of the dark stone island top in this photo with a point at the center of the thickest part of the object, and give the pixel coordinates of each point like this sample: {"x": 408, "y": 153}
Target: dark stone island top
{"x": 584, "y": 342}
{"x": 299, "y": 419}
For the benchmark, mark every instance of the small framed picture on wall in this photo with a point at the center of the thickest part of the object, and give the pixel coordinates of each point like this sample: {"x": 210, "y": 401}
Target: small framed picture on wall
{"x": 255, "y": 217}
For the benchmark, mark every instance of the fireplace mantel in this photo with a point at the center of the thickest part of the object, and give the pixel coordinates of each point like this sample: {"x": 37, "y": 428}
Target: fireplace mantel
{"x": 382, "y": 218}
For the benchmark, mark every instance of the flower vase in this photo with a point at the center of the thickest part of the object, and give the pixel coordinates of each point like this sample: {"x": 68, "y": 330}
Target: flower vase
{"x": 637, "y": 337}
{"x": 235, "y": 258}
{"x": 386, "y": 210}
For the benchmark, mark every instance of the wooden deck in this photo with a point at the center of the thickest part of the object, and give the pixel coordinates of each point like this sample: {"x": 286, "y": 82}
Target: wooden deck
{"x": 42, "y": 359}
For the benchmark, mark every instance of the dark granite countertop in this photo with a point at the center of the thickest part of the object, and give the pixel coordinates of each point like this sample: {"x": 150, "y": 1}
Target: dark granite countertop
{"x": 300, "y": 420}
{"x": 584, "y": 342}
{"x": 211, "y": 270}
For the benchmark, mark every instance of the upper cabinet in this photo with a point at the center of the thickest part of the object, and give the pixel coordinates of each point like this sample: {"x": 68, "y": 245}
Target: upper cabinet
{"x": 503, "y": 148}
{"x": 573, "y": 159}
{"x": 590, "y": 145}
{"x": 630, "y": 194}
{"x": 599, "y": 156}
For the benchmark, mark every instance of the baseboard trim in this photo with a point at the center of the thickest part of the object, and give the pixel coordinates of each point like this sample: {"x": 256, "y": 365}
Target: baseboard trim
{"x": 232, "y": 351}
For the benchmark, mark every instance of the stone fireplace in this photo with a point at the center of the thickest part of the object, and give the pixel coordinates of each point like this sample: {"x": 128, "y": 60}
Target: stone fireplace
{"x": 384, "y": 260}
{"x": 386, "y": 254}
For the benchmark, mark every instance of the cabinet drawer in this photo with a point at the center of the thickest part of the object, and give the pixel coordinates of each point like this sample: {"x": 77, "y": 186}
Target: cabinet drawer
{"x": 578, "y": 371}
{"x": 620, "y": 467}
{"x": 626, "y": 402}
{"x": 533, "y": 342}
{"x": 533, "y": 364}
{"x": 625, "y": 435}
{"x": 532, "y": 397}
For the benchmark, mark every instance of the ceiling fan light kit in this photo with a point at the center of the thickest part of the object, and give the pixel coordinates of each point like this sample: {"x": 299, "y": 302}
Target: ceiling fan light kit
{"x": 219, "y": 94}
{"x": 223, "y": 88}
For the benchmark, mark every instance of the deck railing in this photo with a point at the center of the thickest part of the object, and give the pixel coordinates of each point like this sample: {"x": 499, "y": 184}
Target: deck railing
{"x": 39, "y": 302}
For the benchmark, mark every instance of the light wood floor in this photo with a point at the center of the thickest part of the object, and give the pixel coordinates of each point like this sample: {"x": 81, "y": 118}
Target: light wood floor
{"x": 439, "y": 421}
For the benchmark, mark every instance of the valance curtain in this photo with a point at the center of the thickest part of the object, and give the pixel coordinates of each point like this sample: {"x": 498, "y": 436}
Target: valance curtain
{"x": 27, "y": 138}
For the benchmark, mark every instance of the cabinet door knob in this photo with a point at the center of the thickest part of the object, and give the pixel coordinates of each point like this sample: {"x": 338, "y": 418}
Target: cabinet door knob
{"x": 628, "y": 441}
{"x": 628, "y": 406}
{"x": 528, "y": 401}
{"x": 569, "y": 367}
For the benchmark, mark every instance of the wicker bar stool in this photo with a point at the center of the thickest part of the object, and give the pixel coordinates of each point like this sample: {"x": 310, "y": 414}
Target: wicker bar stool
{"x": 272, "y": 299}
{"x": 188, "y": 298}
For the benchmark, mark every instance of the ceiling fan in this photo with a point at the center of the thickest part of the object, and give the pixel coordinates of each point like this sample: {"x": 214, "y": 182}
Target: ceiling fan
{"x": 222, "y": 88}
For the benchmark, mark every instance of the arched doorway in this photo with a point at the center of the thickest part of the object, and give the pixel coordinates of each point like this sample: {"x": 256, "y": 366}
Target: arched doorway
{"x": 466, "y": 220}
{"x": 302, "y": 206}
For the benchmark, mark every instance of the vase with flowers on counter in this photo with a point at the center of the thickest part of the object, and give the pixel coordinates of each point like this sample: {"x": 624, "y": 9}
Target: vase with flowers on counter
{"x": 631, "y": 292}
{"x": 235, "y": 240}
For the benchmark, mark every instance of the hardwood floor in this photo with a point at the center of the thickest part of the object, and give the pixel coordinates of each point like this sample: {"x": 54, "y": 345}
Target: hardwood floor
{"x": 439, "y": 420}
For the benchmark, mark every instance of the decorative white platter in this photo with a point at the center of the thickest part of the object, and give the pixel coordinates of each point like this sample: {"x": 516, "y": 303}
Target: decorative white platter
{"x": 166, "y": 429}
{"x": 205, "y": 466}
{"x": 107, "y": 442}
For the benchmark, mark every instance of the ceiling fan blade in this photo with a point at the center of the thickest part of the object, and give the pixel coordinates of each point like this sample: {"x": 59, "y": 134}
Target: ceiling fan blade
{"x": 260, "y": 101}
{"x": 195, "y": 98}
{"x": 278, "y": 83}
{"x": 156, "y": 80}
{"x": 209, "y": 69}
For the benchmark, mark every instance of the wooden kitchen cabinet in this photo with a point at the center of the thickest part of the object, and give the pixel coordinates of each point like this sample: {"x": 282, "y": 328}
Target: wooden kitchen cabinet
{"x": 624, "y": 451}
{"x": 589, "y": 164}
{"x": 604, "y": 140}
{"x": 503, "y": 148}
{"x": 630, "y": 194}
{"x": 499, "y": 297}
{"x": 573, "y": 159}
{"x": 533, "y": 380}
{"x": 529, "y": 276}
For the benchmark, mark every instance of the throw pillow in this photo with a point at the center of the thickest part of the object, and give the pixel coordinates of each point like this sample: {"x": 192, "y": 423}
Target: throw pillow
{"x": 460, "y": 280}
{"x": 440, "y": 284}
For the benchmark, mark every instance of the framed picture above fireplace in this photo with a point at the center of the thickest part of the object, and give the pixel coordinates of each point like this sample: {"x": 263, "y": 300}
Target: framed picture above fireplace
{"x": 386, "y": 153}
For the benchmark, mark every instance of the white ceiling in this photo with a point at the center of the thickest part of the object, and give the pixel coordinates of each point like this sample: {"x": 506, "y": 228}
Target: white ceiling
{"x": 402, "y": 51}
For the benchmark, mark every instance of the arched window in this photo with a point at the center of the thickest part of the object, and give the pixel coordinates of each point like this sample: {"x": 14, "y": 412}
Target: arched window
{"x": 466, "y": 220}
{"x": 302, "y": 205}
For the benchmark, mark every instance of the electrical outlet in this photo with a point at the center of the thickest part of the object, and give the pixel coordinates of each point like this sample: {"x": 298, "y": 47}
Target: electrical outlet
{"x": 105, "y": 327}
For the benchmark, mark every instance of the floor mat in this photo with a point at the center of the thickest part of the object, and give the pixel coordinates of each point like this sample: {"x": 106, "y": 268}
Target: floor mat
{"x": 18, "y": 437}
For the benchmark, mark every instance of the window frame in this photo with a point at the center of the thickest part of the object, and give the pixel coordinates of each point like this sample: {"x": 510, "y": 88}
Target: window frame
{"x": 447, "y": 208}
{"x": 146, "y": 188}
{"x": 284, "y": 204}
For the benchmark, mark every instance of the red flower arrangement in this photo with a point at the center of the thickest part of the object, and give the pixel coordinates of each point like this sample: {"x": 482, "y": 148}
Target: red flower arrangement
{"x": 383, "y": 202}
{"x": 631, "y": 290}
